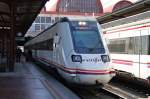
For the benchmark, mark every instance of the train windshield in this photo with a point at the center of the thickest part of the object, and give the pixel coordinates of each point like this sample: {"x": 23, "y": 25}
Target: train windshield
{"x": 86, "y": 38}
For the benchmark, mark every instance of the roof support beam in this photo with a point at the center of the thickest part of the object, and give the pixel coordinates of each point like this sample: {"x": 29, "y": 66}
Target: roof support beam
{"x": 11, "y": 56}
{"x": 136, "y": 8}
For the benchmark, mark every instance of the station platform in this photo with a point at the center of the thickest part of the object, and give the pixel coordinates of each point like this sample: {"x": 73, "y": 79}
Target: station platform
{"x": 29, "y": 82}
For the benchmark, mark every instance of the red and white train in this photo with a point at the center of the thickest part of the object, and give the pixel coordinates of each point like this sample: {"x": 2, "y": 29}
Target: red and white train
{"x": 129, "y": 44}
{"x": 76, "y": 48}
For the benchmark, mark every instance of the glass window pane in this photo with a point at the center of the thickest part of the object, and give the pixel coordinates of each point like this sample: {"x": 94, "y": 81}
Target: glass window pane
{"x": 56, "y": 19}
{"x": 42, "y": 19}
{"x": 130, "y": 45}
{"x": 42, "y": 26}
{"x": 144, "y": 45}
{"x": 37, "y": 20}
{"x": 48, "y": 19}
{"x": 117, "y": 46}
{"x": 53, "y": 21}
{"x": 87, "y": 39}
{"x": 137, "y": 45}
{"x": 37, "y": 27}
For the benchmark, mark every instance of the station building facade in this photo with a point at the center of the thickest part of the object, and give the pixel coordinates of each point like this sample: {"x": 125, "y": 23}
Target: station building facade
{"x": 72, "y": 8}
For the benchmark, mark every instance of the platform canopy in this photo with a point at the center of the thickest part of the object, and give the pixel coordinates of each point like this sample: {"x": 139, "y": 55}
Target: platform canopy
{"x": 19, "y": 13}
{"x": 141, "y": 6}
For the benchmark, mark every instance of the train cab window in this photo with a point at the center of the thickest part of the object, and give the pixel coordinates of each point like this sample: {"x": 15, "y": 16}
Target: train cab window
{"x": 88, "y": 40}
{"x": 86, "y": 37}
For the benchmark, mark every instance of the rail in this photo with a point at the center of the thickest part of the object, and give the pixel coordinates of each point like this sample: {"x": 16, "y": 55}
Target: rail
{"x": 122, "y": 93}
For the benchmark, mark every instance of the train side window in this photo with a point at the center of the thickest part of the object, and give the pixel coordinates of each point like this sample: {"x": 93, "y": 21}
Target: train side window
{"x": 144, "y": 45}
{"x": 130, "y": 45}
{"x": 137, "y": 45}
{"x": 122, "y": 46}
{"x": 149, "y": 45}
{"x": 50, "y": 44}
{"x": 117, "y": 46}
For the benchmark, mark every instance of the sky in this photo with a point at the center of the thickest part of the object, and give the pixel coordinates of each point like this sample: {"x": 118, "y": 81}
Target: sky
{"x": 51, "y": 4}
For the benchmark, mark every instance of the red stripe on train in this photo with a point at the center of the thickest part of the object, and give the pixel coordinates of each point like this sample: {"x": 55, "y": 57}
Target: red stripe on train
{"x": 124, "y": 62}
{"x": 148, "y": 66}
{"x": 129, "y": 29}
{"x": 78, "y": 71}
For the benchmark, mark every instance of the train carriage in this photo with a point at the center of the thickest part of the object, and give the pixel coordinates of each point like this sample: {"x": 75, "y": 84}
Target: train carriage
{"x": 76, "y": 48}
{"x": 129, "y": 44}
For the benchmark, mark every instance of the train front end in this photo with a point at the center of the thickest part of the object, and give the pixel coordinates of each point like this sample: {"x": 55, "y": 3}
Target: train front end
{"x": 90, "y": 58}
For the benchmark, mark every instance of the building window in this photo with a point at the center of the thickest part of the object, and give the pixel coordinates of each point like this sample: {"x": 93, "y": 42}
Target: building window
{"x": 37, "y": 20}
{"x": 48, "y": 19}
{"x": 42, "y": 19}
{"x": 37, "y": 27}
{"x": 56, "y": 19}
{"x": 42, "y": 26}
{"x": 53, "y": 21}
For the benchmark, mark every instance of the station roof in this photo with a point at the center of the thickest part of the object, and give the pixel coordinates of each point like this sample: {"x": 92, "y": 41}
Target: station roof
{"x": 136, "y": 8}
{"x": 24, "y": 12}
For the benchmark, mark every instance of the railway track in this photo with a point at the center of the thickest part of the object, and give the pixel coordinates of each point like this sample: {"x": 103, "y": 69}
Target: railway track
{"x": 112, "y": 90}
{"x": 127, "y": 91}
{"x": 119, "y": 92}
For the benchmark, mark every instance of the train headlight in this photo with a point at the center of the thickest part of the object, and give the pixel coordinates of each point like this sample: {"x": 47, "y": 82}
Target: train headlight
{"x": 105, "y": 58}
{"x": 76, "y": 58}
{"x": 82, "y": 23}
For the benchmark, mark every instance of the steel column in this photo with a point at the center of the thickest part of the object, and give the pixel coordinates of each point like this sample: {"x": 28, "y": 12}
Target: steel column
{"x": 12, "y": 47}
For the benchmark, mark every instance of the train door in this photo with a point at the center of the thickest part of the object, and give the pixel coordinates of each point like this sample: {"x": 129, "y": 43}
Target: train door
{"x": 136, "y": 53}
{"x": 144, "y": 41}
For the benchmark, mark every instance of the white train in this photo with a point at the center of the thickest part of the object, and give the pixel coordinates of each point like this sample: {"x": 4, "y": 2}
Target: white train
{"x": 76, "y": 48}
{"x": 129, "y": 44}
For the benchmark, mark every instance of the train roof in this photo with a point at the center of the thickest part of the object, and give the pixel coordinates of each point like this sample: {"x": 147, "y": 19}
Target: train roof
{"x": 138, "y": 7}
{"x": 64, "y": 19}
{"x": 127, "y": 20}
{"x": 84, "y": 18}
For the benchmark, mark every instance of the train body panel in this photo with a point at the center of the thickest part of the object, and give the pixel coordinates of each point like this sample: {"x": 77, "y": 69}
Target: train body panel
{"x": 137, "y": 66}
{"x": 129, "y": 45}
{"x": 76, "y": 49}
